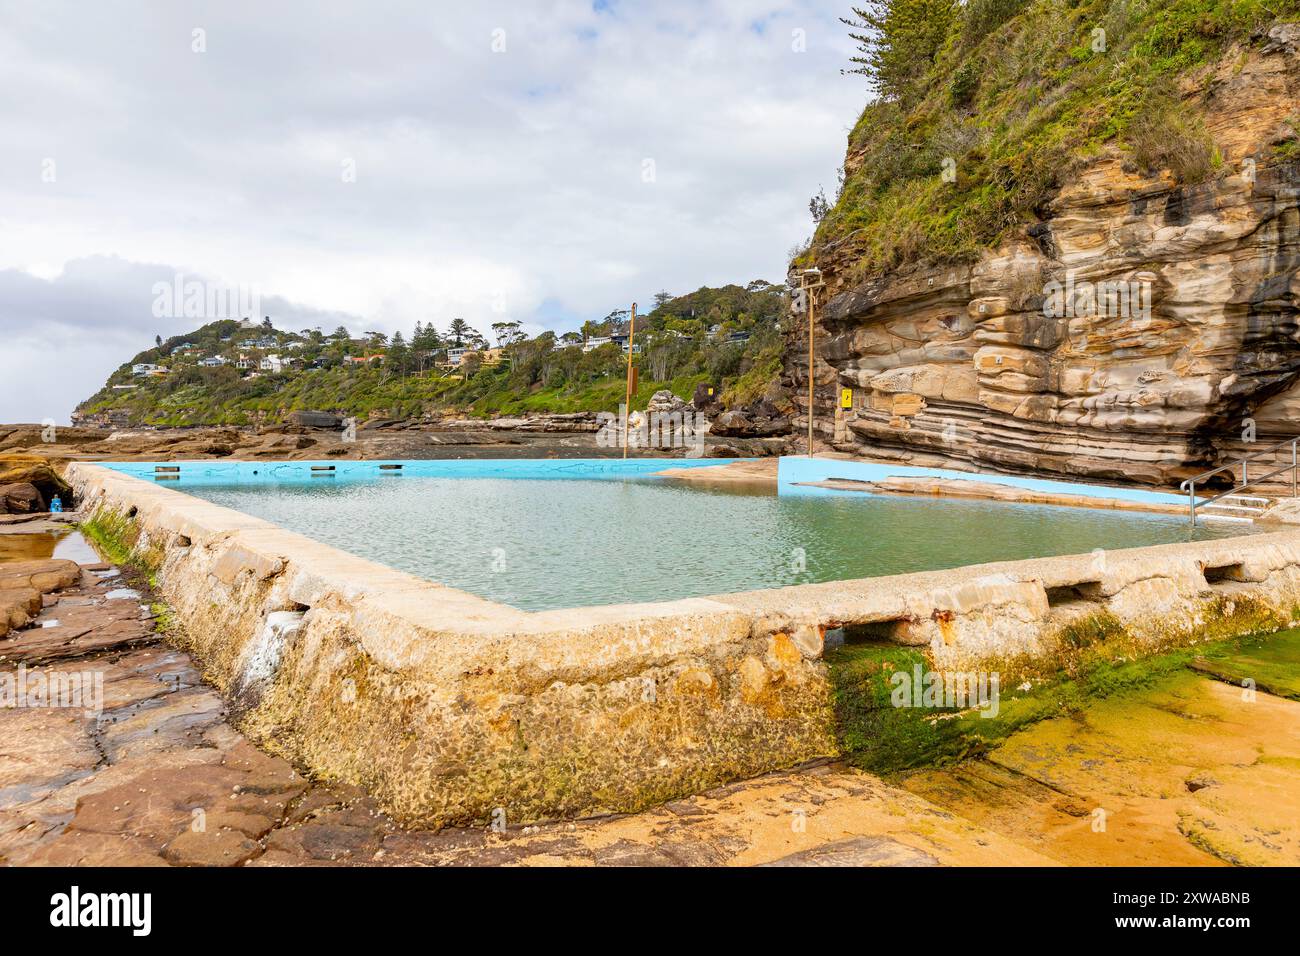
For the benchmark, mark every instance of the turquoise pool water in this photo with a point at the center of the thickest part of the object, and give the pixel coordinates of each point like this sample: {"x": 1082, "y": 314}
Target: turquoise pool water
{"x": 602, "y": 539}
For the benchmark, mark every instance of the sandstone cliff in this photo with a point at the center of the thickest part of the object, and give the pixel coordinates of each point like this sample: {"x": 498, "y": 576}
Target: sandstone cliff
{"x": 1132, "y": 327}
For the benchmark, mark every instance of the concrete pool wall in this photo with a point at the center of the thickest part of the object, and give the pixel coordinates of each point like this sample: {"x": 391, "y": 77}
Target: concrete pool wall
{"x": 454, "y": 709}
{"x": 799, "y": 474}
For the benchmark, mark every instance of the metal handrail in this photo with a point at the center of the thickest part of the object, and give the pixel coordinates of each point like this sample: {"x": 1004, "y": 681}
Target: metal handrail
{"x": 1247, "y": 481}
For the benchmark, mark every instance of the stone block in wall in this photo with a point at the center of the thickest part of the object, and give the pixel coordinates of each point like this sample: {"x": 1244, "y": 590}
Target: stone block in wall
{"x": 925, "y": 380}
{"x": 993, "y": 360}
{"x": 1027, "y": 329}
{"x": 907, "y": 404}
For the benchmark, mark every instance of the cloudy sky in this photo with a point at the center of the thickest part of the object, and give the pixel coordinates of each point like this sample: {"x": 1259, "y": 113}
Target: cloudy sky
{"x": 374, "y": 164}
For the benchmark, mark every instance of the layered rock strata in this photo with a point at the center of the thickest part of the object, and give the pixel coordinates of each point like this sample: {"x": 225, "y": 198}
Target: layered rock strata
{"x": 1142, "y": 331}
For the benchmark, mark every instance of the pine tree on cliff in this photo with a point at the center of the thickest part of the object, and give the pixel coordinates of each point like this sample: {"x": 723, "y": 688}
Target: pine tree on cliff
{"x": 898, "y": 41}
{"x": 458, "y": 331}
{"x": 426, "y": 339}
{"x": 398, "y": 358}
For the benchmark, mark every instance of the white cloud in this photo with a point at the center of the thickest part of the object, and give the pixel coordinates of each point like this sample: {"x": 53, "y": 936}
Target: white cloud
{"x": 481, "y": 177}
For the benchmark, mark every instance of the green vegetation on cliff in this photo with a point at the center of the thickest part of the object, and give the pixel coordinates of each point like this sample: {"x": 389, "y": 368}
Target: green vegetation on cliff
{"x": 984, "y": 109}
{"x": 727, "y": 336}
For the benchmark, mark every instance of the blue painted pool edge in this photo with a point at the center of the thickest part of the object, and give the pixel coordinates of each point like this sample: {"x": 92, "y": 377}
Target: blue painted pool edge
{"x": 223, "y": 472}
{"x": 794, "y": 471}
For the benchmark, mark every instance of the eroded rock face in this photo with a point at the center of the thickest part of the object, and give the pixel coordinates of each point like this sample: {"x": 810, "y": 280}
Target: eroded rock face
{"x": 28, "y": 483}
{"x": 1129, "y": 336}
{"x": 21, "y": 498}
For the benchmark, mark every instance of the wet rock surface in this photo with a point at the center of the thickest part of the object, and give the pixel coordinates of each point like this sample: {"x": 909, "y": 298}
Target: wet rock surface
{"x": 23, "y": 586}
{"x": 1191, "y": 772}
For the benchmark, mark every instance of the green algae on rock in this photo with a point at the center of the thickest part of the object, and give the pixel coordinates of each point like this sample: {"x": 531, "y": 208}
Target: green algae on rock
{"x": 875, "y": 733}
{"x": 1267, "y": 664}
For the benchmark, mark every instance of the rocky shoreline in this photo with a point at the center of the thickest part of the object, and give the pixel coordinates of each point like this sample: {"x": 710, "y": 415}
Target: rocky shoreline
{"x": 538, "y": 436}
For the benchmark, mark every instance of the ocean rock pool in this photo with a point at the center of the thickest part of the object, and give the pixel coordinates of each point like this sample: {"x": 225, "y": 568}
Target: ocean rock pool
{"x": 542, "y": 535}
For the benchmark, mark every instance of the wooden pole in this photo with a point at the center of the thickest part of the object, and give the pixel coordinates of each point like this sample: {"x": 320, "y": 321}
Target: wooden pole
{"x": 812, "y": 298}
{"x": 631, "y": 341}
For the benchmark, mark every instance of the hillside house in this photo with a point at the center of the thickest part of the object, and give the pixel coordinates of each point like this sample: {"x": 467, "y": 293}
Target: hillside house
{"x": 621, "y": 339}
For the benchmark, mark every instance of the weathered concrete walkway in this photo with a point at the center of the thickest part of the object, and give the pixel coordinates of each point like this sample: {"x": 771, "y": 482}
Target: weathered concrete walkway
{"x": 1188, "y": 774}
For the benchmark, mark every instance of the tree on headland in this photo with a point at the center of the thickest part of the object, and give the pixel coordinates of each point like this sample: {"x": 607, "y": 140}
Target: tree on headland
{"x": 507, "y": 333}
{"x": 458, "y": 331}
{"x": 426, "y": 338}
{"x": 818, "y": 206}
{"x": 157, "y": 341}
{"x": 898, "y": 41}
{"x": 425, "y": 342}
{"x": 398, "y": 358}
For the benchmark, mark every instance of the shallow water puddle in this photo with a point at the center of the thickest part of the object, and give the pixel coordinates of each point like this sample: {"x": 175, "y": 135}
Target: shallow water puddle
{"x": 40, "y": 546}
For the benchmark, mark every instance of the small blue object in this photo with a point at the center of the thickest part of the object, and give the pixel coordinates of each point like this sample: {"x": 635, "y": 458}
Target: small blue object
{"x": 56, "y": 505}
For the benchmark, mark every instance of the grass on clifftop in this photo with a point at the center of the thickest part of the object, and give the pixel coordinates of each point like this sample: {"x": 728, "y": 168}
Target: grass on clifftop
{"x": 1018, "y": 92}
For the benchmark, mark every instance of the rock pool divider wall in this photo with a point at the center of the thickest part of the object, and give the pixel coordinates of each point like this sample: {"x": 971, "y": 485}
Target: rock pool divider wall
{"x": 451, "y": 708}
{"x": 796, "y": 474}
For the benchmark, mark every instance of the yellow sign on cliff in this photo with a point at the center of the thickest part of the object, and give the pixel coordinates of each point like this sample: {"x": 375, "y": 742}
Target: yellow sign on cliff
{"x": 846, "y": 398}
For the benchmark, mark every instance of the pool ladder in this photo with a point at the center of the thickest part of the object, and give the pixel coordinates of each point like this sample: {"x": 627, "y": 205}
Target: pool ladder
{"x": 1231, "y": 504}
